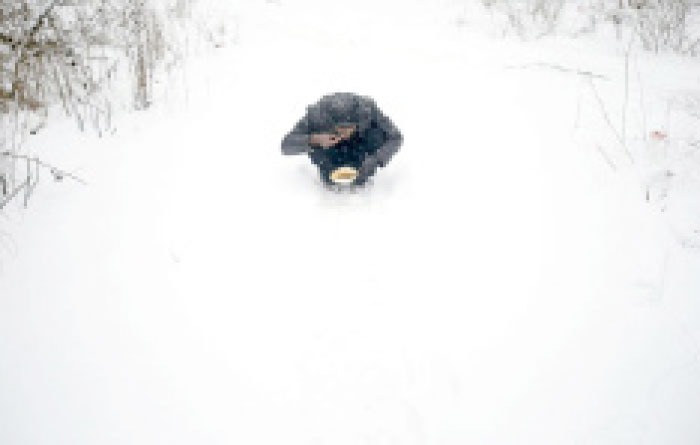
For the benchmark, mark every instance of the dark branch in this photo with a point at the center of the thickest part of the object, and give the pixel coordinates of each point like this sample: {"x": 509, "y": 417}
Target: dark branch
{"x": 39, "y": 22}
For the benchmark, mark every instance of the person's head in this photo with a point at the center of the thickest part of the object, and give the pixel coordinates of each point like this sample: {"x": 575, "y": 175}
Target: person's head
{"x": 337, "y": 108}
{"x": 345, "y": 129}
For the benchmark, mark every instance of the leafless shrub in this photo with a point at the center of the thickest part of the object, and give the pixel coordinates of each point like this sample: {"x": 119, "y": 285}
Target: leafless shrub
{"x": 69, "y": 53}
{"x": 659, "y": 24}
{"x": 529, "y": 17}
{"x": 663, "y": 24}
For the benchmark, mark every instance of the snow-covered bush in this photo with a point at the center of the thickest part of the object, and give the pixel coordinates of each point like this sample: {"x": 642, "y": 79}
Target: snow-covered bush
{"x": 664, "y": 24}
{"x": 75, "y": 54}
{"x": 529, "y": 17}
{"x": 658, "y": 24}
{"x": 68, "y": 50}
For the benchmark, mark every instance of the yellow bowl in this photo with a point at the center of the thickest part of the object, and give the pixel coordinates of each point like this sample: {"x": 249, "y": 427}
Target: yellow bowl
{"x": 344, "y": 175}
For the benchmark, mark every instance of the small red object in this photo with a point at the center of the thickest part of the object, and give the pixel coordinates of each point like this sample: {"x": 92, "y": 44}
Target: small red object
{"x": 658, "y": 135}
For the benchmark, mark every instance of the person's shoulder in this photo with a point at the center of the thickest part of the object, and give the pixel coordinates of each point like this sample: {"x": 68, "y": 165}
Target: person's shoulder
{"x": 367, "y": 100}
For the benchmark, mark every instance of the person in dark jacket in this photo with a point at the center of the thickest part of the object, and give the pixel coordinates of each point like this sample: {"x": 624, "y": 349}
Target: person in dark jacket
{"x": 346, "y": 136}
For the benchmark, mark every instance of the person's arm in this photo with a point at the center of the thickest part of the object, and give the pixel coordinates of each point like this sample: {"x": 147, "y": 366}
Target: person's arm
{"x": 298, "y": 140}
{"x": 392, "y": 139}
{"x": 384, "y": 133}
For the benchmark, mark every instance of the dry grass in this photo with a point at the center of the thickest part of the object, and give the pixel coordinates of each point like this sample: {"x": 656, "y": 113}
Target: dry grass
{"x": 658, "y": 24}
{"x": 69, "y": 53}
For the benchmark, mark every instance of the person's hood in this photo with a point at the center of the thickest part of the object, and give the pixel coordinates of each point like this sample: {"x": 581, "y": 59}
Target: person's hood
{"x": 338, "y": 108}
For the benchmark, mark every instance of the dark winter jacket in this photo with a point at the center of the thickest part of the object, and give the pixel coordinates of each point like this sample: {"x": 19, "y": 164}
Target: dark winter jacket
{"x": 373, "y": 144}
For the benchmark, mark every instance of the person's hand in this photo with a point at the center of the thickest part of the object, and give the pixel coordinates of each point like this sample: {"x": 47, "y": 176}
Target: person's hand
{"x": 345, "y": 131}
{"x": 324, "y": 140}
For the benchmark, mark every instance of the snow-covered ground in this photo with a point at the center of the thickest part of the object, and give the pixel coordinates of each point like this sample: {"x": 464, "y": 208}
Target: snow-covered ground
{"x": 504, "y": 280}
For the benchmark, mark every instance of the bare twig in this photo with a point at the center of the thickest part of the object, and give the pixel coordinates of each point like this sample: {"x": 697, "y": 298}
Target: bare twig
{"x": 12, "y": 195}
{"x": 40, "y": 21}
{"x": 587, "y": 74}
{"x": 627, "y": 89}
{"x": 609, "y": 122}
{"x": 642, "y": 105}
{"x": 57, "y": 172}
{"x": 605, "y": 156}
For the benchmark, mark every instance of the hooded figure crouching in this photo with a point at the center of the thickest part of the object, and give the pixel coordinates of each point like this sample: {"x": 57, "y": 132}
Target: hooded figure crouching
{"x": 346, "y": 136}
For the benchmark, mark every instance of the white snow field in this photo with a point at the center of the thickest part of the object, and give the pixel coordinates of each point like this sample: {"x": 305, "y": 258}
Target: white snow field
{"x": 498, "y": 283}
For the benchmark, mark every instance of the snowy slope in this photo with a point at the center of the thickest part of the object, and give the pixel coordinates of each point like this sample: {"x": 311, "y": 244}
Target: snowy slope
{"x": 498, "y": 283}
